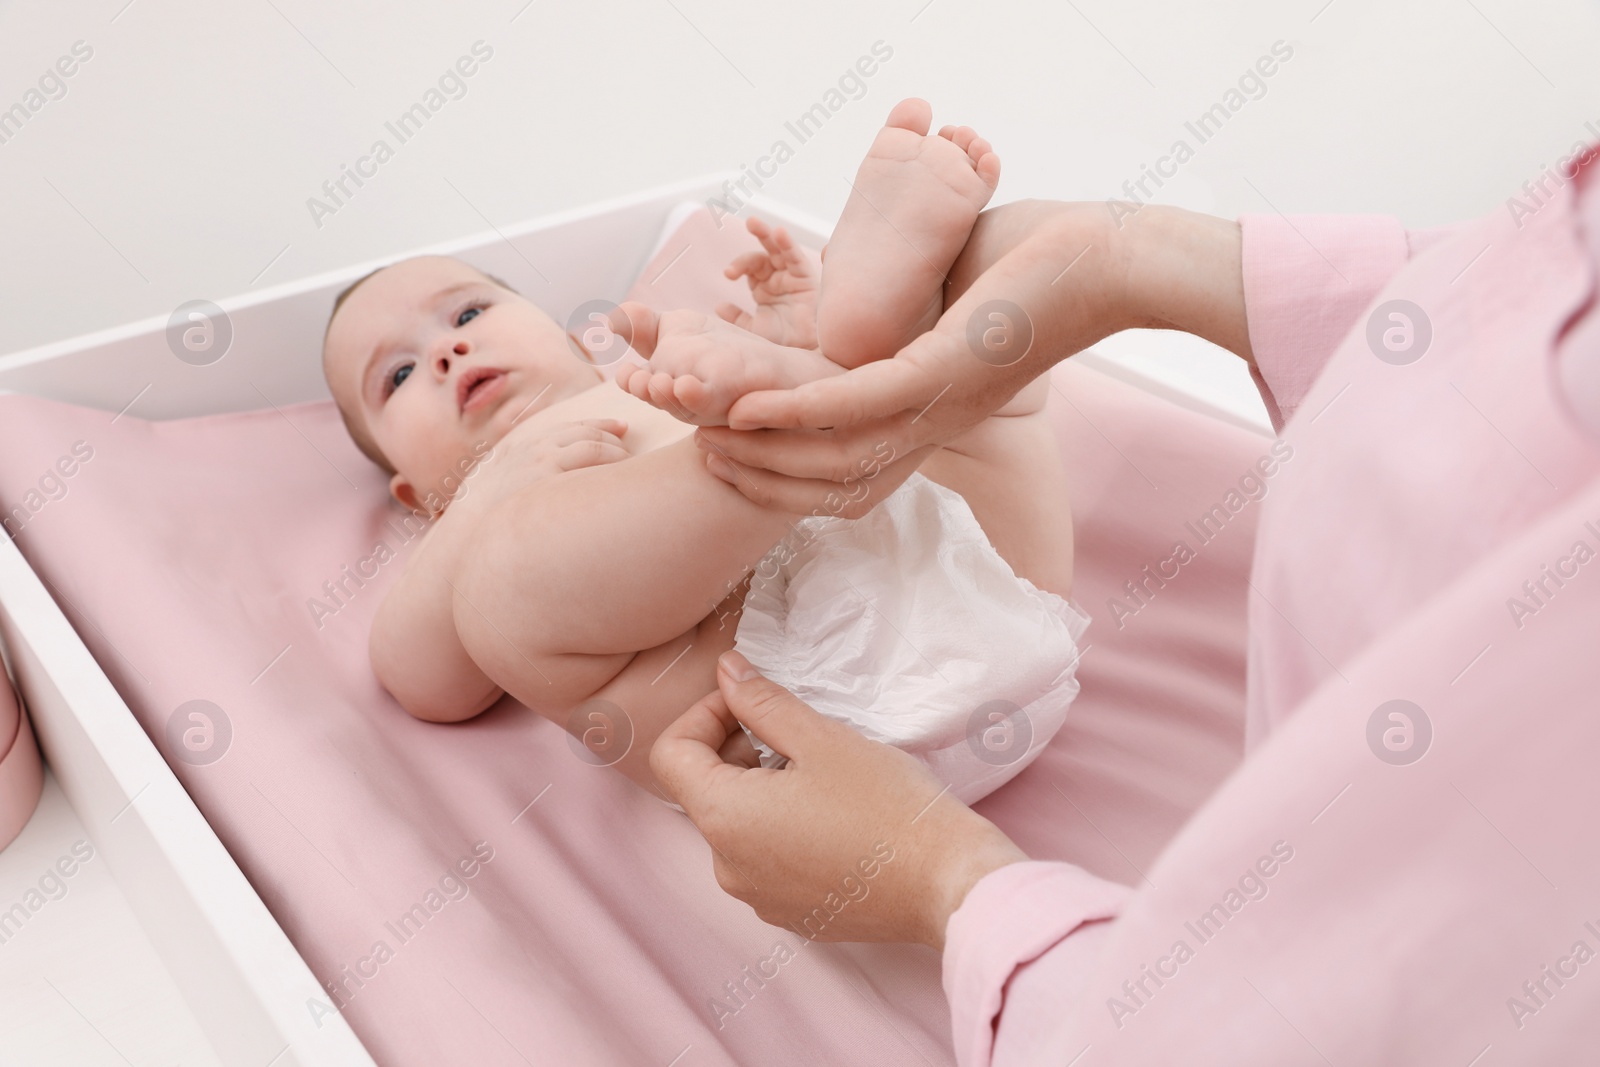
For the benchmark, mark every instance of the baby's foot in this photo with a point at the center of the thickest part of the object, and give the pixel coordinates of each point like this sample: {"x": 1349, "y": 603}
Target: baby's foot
{"x": 912, "y": 207}
{"x": 700, "y": 365}
{"x": 783, "y": 281}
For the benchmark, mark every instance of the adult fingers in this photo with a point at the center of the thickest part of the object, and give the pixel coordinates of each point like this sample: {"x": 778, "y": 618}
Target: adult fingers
{"x": 777, "y": 492}
{"x": 739, "y": 751}
{"x": 871, "y": 391}
{"x": 685, "y": 758}
{"x": 785, "y": 722}
{"x": 811, "y": 497}
{"x": 827, "y": 455}
{"x": 815, "y": 496}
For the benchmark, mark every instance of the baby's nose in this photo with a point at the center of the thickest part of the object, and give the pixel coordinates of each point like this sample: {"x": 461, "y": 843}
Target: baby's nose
{"x": 442, "y": 357}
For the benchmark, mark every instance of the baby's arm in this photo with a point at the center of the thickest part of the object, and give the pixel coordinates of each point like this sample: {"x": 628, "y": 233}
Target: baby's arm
{"x": 413, "y": 646}
{"x": 414, "y": 649}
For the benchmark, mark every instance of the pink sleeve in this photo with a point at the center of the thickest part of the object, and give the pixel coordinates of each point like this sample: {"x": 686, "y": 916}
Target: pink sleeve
{"x": 1009, "y": 920}
{"x": 1306, "y": 281}
{"x": 1314, "y": 909}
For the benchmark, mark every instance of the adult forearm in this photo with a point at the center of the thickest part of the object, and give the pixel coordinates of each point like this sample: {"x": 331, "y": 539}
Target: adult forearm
{"x": 1185, "y": 271}
{"x": 1080, "y": 275}
{"x": 1037, "y": 283}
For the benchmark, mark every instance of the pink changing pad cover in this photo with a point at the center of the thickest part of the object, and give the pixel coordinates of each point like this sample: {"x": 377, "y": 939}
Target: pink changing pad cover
{"x": 478, "y": 894}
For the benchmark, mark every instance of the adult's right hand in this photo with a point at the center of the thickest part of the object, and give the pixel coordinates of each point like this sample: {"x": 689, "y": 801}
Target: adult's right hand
{"x": 841, "y": 444}
{"x": 852, "y": 841}
{"x": 1037, "y": 282}
{"x": 1021, "y": 301}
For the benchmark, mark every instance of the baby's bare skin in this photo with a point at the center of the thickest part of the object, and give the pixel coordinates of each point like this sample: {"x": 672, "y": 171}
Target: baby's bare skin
{"x": 591, "y": 559}
{"x": 912, "y": 206}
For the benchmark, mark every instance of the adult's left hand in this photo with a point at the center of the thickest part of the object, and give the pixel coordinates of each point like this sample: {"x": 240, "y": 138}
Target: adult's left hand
{"x": 852, "y": 841}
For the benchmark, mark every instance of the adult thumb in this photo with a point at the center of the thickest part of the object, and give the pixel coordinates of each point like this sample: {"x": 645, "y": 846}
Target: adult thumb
{"x": 775, "y": 715}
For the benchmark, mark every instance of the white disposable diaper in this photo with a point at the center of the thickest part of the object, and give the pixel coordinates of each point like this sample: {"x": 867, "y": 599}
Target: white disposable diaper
{"x": 907, "y": 625}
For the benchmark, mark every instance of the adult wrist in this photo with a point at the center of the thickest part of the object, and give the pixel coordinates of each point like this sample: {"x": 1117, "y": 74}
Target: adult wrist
{"x": 1184, "y": 270}
{"x": 969, "y": 855}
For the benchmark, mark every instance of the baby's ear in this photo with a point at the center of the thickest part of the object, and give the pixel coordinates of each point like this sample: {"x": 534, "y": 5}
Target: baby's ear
{"x": 405, "y": 493}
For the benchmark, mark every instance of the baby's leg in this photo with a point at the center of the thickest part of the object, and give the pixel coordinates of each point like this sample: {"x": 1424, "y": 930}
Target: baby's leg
{"x": 913, "y": 204}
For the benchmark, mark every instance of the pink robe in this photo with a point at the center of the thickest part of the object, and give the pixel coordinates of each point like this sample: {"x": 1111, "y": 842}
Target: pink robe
{"x": 1406, "y": 868}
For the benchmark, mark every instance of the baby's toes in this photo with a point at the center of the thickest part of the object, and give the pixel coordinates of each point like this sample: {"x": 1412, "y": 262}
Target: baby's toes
{"x": 690, "y": 392}
{"x": 636, "y": 380}
{"x": 986, "y": 162}
{"x": 659, "y": 391}
{"x": 979, "y": 152}
{"x": 702, "y": 400}
{"x": 960, "y": 136}
{"x": 912, "y": 114}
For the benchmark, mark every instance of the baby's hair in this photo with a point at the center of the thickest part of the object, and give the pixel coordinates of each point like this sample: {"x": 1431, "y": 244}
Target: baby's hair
{"x": 369, "y": 448}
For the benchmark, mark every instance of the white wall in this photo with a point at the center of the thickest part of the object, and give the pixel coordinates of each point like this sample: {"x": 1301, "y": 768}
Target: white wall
{"x": 180, "y": 160}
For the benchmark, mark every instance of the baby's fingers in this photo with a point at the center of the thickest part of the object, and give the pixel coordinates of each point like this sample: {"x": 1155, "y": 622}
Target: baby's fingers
{"x": 603, "y": 429}
{"x": 780, "y": 247}
{"x": 608, "y": 425}
{"x": 735, "y": 314}
{"x": 756, "y": 266}
{"x": 592, "y": 453}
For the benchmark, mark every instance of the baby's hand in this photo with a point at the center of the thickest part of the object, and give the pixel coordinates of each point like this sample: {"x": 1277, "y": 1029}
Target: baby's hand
{"x": 525, "y": 456}
{"x": 783, "y": 282}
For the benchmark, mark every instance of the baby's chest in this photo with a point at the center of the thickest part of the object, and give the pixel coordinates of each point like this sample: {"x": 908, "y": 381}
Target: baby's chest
{"x": 649, "y": 428}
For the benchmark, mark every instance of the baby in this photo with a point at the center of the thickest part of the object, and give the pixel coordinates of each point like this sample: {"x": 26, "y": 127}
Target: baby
{"x": 594, "y": 568}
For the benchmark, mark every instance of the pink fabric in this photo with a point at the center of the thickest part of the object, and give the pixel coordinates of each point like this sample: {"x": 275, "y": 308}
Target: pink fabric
{"x": 10, "y": 714}
{"x": 21, "y": 773}
{"x": 1305, "y": 283}
{"x": 189, "y": 554}
{"x": 1423, "y": 545}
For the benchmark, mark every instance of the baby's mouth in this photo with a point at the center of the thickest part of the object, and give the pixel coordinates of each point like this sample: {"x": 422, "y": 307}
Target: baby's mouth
{"x": 477, "y": 387}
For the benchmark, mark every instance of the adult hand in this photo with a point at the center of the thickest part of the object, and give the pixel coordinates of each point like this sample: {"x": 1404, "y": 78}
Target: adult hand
{"x": 839, "y": 445}
{"x": 852, "y": 841}
{"x": 1037, "y": 282}
{"x": 1005, "y": 324}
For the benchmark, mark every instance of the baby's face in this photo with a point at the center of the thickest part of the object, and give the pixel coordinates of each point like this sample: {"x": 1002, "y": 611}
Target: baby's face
{"x": 433, "y": 363}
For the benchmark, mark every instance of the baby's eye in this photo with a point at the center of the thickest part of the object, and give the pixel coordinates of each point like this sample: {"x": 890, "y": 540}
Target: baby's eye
{"x": 399, "y": 375}
{"x": 467, "y": 315}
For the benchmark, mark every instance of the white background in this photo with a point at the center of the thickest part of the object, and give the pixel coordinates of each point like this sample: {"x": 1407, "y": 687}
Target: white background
{"x": 180, "y": 161}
